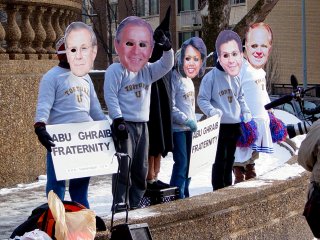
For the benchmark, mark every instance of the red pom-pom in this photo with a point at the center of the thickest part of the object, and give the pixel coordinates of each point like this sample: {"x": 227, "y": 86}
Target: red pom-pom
{"x": 278, "y": 129}
{"x": 249, "y": 134}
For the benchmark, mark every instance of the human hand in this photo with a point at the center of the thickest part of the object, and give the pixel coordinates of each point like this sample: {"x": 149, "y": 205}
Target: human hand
{"x": 215, "y": 111}
{"x": 247, "y": 117}
{"x": 44, "y": 137}
{"x": 119, "y": 129}
{"x": 162, "y": 40}
{"x": 271, "y": 110}
{"x": 192, "y": 125}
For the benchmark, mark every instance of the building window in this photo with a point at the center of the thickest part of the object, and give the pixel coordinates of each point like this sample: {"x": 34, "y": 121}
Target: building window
{"x": 237, "y": 2}
{"x": 140, "y": 6}
{"x": 183, "y": 36}
{"x": 153, "y": 7}
{"x": 185, "y": 5}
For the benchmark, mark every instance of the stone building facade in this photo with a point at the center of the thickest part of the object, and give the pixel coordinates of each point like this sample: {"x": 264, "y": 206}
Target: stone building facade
{"x": 285, "y": 20}
{"x": 28, "y": 31}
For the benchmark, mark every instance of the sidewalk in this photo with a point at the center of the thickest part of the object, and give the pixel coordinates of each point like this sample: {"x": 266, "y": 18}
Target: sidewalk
{"x": 17, "y": 203}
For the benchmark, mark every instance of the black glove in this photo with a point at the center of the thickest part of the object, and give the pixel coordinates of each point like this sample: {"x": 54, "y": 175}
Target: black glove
{"x": 162, "y": 40}
{"x": 43, "y": 136}
{"x": 119, "y": 129}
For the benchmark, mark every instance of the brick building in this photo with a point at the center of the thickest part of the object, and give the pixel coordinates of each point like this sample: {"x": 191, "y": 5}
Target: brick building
{"x": 285, "y": 20}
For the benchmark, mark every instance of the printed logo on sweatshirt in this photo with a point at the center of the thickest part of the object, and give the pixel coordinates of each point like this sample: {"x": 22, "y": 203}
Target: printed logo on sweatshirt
{"x": 135, "y": 87}
{"x": 189, "y": 96}
{"x": 261, "y": 82}
{"x": 75, "y": 89}
{"x": 79, "y": 90}
{"x": 225, "y": 91}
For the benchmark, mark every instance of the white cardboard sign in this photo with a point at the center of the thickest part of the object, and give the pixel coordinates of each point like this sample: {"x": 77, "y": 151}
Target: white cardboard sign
{"x": 82, "y": 149}
{"x": 204, "y": 145}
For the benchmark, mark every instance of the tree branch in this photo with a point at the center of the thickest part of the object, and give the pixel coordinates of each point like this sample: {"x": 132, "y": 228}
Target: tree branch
{"x": 258, "y": 13}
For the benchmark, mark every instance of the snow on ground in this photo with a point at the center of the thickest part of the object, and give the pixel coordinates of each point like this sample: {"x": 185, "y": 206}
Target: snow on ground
{"x": 17, "y": 203}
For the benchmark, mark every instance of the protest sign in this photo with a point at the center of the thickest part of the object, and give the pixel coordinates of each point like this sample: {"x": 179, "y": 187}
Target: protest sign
{"x": 204, "y": 145}
{"x": 82, "y": 149}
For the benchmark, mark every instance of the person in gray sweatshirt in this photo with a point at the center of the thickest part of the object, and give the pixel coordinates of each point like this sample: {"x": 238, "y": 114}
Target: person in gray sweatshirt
{"x": 68, "y": 97}
{"x": 127, "y": 89}
{"x": 190, "y": 63}
{"x": 220, "y": 93}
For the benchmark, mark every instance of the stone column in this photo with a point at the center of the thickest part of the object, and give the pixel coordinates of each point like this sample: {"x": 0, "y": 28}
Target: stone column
{"x": 67, "y": 19}
{"x": 28, "y": 34}
{"x": 56, "y": 23}
{"x": 51, "y": 35}
{"x": 13, "y": 33}
{"x": 62, "y": 20}
{"x": 39, "y": 30}
{"x": 2, "y": 34}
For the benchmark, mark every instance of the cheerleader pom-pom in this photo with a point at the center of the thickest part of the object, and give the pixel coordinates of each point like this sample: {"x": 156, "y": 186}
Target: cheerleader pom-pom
{"x": 278, "y": 129}
{"x": 248, "y": 135}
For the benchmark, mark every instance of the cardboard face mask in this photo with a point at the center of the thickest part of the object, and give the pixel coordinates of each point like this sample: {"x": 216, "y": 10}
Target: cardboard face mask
{"x": 80, "y": 52}
{"x": 192, "y": 62}
{"x": 229, "y": 50}
{"x": 135, "y": 47}
{"x": 231, "y": 58}
{"x": 258, "y": 44}
{"x": 191, "y": 58}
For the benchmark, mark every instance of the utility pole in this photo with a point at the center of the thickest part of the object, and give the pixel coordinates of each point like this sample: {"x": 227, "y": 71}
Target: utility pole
{"x": 304, "y": 43}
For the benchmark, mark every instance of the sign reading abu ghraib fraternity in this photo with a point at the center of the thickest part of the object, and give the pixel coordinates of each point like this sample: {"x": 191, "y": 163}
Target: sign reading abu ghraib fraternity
{"x": 82, "y": 149}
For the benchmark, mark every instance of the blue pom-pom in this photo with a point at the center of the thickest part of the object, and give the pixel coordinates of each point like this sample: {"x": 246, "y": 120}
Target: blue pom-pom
{"x": 249, "y": 134}
{"x": 278, "y": 129}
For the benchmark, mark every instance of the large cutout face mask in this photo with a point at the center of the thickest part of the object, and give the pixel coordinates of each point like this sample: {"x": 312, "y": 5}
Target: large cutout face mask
{"x": 134, "y": 48}
{"x": 258, "y": 46}
{"x": 192, "y": 62}
{"x": 191, "y": 58}
{"x": 80, "y": 52}
{"x": 231, "y": 58}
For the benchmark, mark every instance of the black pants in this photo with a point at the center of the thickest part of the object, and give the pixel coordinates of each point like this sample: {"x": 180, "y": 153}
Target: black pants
{"x": 222, "y": 167}
{"x": 136, "y": 146}
{"x": 312, "y": 209}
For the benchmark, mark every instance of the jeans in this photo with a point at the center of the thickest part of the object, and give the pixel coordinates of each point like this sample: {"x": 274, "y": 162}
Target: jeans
{"x": 78, "y": 187}
{"x": 181, "y": 156}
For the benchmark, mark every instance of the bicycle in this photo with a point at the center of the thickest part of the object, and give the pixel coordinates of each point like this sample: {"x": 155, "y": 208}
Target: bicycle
{"x": 306, "y": 115}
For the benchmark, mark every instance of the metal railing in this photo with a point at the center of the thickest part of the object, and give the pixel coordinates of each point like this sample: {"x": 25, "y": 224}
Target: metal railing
{"x": 284, "y": 89}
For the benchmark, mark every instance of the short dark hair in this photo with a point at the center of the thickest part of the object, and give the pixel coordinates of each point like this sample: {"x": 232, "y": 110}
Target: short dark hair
{"x": 227, "y": 36}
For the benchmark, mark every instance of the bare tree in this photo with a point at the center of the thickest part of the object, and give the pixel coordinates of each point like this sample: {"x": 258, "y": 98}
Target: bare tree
{"x": 216, "y": 18}
{"x": 258, "y": 13}
{"x": 105, "y": 22}
{"x": 272, "y": 70}
{"x": 104, "y": 19}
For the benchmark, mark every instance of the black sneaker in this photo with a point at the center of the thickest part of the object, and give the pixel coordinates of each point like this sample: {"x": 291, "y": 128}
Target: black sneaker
{"x": 153, "y": 186}
{"x": 162, "y": 184}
